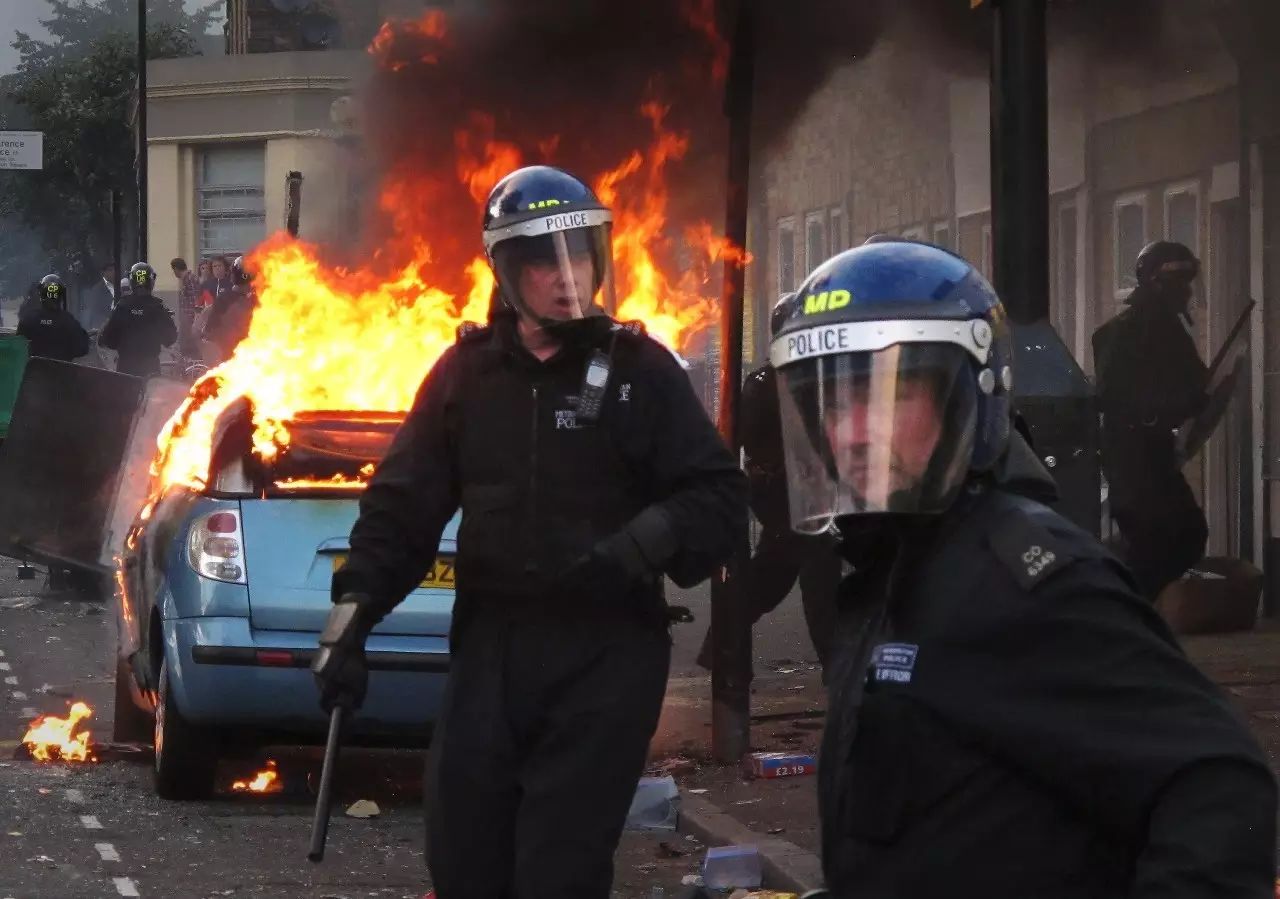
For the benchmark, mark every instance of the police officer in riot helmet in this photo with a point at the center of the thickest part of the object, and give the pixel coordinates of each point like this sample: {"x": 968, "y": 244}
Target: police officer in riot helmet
{"x": 586, "y": 469}
{"x": 140, "y": 324}
{"x": 52, "y": 331}
{"x": 1007, "y": 717}
{"x": 781, "y": 555}
{"x": 1151, "y": 380}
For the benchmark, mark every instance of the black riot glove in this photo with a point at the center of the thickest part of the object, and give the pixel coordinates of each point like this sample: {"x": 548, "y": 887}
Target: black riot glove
{"x": 340, "y": 669}
{"x": 633, "y": 555}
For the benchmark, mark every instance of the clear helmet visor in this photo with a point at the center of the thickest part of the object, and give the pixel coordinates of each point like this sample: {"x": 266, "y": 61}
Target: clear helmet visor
{"x": 558, "y": 276}
{"x": 889, "y": 430}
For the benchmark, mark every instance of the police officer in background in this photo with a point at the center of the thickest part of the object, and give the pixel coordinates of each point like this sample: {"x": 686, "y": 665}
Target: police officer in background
{"x": 586, "y": 470}
{"x": 52, "y": 331}
{"x": 1150, "y": 381}
{"x": 139, "y": 326}
{"x": 1007, "y": 716}
{"x": 781, "y": 555}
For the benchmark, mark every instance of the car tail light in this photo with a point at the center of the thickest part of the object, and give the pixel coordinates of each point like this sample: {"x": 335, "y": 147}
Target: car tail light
{"x": 215, "y": 547}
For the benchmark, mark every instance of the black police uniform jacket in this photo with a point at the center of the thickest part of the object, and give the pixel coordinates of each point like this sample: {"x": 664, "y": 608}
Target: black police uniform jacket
{"x": 495, "y": 432}
{"x": 1150, "y": 373}
{"x": 1017, "y": 722}
{"x": 54, "y": 334}
{"x": 139, "y": 326}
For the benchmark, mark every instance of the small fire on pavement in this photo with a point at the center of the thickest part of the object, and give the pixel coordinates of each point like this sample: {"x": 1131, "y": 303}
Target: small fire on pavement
{"x": 265, "y": 781}
{"x": 51, "y": 739}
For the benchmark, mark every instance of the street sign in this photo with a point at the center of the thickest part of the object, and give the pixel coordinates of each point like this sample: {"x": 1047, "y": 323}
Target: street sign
{"x": 21, "y": 150}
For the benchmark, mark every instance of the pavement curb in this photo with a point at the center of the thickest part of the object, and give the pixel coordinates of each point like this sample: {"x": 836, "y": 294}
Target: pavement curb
{"x": 786, "y": 866}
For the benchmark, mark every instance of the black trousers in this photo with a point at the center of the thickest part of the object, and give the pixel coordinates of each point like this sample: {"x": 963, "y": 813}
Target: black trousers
{"x": 544, "y": 734}
{"x": 1163, "y": 527}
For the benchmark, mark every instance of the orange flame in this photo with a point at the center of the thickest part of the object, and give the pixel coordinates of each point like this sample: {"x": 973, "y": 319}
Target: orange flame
{"x": 324, "y": 338}
{"x": 50, "y": 739}
{"x": 389, "y": 45}
{"x": 265, "y": 781}
{"x": 701, "y": 15}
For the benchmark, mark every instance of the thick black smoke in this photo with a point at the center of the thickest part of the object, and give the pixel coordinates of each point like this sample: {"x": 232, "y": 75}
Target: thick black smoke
{"x": 564, "y": 79}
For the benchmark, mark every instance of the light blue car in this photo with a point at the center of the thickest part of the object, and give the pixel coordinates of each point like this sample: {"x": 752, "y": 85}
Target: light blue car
{"x": 224, "y": 595}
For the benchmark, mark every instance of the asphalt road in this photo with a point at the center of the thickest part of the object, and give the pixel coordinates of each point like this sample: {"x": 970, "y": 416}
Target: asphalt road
{"x": 93, "y": 830}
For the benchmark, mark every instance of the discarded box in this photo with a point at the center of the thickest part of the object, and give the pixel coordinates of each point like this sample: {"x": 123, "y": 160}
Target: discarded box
{"x": 655, "y": 806}
{"x": 726, "y": 867}
{"x": 781, "y": 764}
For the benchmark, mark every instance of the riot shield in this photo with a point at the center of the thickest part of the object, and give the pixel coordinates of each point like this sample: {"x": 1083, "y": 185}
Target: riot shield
{"x": 74, "y": 439}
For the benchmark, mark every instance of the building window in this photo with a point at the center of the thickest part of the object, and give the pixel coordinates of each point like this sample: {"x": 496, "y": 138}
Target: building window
{"x": 786, "y": 255}
{"x": 1182, "y": 215}
{"x": 942, "y": 234}
{"x": 1129, "y": 222}
{"x": 815, "y": 241}
{"x": 231, "y": 204}
{"x": 838, "y": 240}
{"x": 1065, "y": 267}
{"x": 988, "y": 254}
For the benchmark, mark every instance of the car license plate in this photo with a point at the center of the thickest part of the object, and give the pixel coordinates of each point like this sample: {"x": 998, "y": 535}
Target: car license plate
{"x": 440, "y": 577}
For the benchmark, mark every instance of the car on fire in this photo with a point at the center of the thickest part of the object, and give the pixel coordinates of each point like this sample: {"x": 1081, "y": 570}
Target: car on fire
{"x": 224, "y": 593}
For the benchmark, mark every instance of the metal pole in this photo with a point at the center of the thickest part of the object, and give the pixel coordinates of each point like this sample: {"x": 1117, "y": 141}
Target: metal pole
{"x": 142, "y": 129}
{"x": 117, "y": 237}
{"x": 730, "y": 617}
{"x": 1020, "y": 158}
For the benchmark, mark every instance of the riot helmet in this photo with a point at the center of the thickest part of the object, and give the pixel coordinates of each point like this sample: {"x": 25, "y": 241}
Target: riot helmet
{"x": 53, "y": 293}
{"x": 1164, "y": 261}
{"x": 549, "y": 242}
{"x": 142, "y": 279}
{"x": 241, "y": 277}
{"x": 894, "y": 369}
{"x": 779, "y": 314}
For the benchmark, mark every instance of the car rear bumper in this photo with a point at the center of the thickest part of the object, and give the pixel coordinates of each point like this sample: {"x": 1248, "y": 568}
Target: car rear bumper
{"x": 224, "y": 673}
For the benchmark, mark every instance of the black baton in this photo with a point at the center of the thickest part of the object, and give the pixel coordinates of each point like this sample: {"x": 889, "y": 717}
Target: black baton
{"x": 324, "y": 796}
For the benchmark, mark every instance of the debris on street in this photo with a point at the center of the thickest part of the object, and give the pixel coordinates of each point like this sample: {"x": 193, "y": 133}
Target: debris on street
{"x": 726, "y": 867}
{"x": 655, "y": 805}
{"x": 363, "y": 808}
{"x": 781, "y": 764}
{"x": 666, "y": 850}
{"x": 672, "y": 766}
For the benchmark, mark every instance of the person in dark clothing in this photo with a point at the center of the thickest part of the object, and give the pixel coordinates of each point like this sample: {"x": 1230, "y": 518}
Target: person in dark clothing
{"x": 585, "y": 469}
{"x": 139, "y": 326}
{"x": 1007, "y": 716}
{"x": 231, "y": 313}
{"x": 51, "y": 330}
{"x": 1150, "y": 381}
{"x": 782, "y": 556}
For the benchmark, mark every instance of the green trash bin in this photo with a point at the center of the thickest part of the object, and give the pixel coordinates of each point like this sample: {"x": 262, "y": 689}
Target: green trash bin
{"x": 13, "y": 362}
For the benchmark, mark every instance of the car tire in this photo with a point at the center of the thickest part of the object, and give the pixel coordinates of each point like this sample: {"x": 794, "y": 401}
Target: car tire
{"x": 186, "y": 756}
{"x": 130, "y": 724}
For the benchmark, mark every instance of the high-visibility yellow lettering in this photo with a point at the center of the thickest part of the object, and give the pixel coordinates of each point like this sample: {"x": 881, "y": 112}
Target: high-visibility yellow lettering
{"x": 826, "y": 301}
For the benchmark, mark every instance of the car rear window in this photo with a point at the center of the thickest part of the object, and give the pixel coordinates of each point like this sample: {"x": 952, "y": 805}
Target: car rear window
{"x": 330, "y": 453}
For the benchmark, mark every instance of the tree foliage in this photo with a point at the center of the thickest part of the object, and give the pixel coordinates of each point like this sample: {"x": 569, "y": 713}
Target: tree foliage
{"x": 78, "y": 88}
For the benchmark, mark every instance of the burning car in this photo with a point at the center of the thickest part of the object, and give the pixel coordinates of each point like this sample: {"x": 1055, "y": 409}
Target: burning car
{"x": 226, "y": 589}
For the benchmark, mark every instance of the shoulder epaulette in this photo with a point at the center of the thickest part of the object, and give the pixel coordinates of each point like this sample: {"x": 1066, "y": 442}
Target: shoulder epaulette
{"x": 468, "y": 331}
{"x": 1029, "y": 550}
